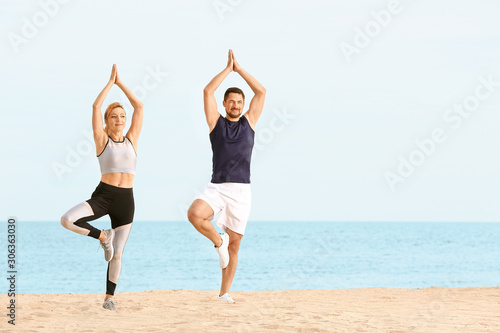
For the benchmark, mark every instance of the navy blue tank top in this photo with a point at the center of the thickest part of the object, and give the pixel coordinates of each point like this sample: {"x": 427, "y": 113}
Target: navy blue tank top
{"x": 232, "y": 144}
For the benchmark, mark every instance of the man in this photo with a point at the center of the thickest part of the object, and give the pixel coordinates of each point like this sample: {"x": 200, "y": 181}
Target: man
{"x": 232, "y": 139}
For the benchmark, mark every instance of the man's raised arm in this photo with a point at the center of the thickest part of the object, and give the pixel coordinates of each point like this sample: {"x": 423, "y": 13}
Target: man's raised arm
{"x": 208, "y": 93}
{"x": 257, "y": 103}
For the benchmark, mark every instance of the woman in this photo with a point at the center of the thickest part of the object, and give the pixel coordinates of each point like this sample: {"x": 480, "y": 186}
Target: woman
{"x": 113, "y": 196}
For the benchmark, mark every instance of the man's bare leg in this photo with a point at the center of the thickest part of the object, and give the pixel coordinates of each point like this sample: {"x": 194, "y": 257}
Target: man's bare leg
{"x": 230, "y": 270}
{"x": 198, "y": 215}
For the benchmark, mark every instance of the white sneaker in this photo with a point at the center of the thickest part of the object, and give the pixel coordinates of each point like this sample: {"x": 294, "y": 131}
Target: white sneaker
{"x": 226, "y": 298}
{"x": 223, "y": 252}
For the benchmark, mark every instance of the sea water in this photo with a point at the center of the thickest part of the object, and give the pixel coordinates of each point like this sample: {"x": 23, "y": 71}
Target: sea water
{"x": 273, "y": 256}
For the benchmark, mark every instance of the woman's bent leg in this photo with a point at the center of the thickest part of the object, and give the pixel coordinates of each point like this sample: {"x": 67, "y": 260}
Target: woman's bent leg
{"x": 77, "y": 217}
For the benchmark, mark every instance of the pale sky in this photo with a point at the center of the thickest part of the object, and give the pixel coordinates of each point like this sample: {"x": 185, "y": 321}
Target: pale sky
{"x": 375, "y": 110}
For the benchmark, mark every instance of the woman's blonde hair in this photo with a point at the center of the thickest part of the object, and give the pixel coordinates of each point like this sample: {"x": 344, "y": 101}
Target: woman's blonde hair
{"x": 108, "y": 110}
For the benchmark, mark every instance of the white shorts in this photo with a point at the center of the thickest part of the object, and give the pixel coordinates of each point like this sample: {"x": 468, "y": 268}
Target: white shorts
{"x": 232, "y": 201}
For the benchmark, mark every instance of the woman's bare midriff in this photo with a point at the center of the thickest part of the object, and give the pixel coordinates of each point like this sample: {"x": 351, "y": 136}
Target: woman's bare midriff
{"x": 118, "y": 179}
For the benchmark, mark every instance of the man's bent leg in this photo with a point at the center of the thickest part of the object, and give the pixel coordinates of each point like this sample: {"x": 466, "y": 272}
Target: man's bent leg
{"x": 198, "y": 215}
{"x": 230, "y": 270}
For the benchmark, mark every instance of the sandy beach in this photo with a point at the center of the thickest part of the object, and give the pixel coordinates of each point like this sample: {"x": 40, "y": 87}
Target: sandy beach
{"x": 351, "y": 310}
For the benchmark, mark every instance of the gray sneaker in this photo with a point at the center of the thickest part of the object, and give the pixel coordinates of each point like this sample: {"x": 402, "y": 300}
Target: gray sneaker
{"x": 107, "y": 245}
{"x": 109, "y": 305}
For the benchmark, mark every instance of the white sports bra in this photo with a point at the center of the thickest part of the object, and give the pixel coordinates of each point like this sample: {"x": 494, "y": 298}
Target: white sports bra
{"x": 118, "y": 157}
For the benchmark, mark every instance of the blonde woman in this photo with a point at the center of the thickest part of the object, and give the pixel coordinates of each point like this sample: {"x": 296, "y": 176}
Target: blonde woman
{"x": 113, "y": 196}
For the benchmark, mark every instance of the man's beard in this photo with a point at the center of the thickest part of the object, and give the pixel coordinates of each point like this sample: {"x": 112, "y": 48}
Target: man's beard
{"x": 235, "y": 113}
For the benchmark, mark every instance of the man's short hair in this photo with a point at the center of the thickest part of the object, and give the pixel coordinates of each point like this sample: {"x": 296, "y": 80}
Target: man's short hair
{"x": 233, "y": 90}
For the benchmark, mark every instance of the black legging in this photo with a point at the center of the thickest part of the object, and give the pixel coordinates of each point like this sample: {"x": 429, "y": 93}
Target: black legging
{"x": 118, "y": 203}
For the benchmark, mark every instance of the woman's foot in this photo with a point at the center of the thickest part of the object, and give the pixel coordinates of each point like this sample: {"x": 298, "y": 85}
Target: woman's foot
{"x": 107, "y": 245}
{"x": 109, "y": 304}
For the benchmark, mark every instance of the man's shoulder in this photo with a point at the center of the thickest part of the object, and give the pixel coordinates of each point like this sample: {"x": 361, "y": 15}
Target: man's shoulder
{"x": 216, "y": 124}
{"x": 249, "y": 121}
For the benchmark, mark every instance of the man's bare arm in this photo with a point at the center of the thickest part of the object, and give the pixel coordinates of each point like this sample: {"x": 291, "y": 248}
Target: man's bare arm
{"x": 208, "y": 93}
{"x": 257, "y": 103}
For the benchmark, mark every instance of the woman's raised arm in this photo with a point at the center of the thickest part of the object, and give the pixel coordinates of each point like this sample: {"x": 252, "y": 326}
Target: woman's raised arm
{"x": 136, "y": 125}
{"x": 100, "y": 136}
